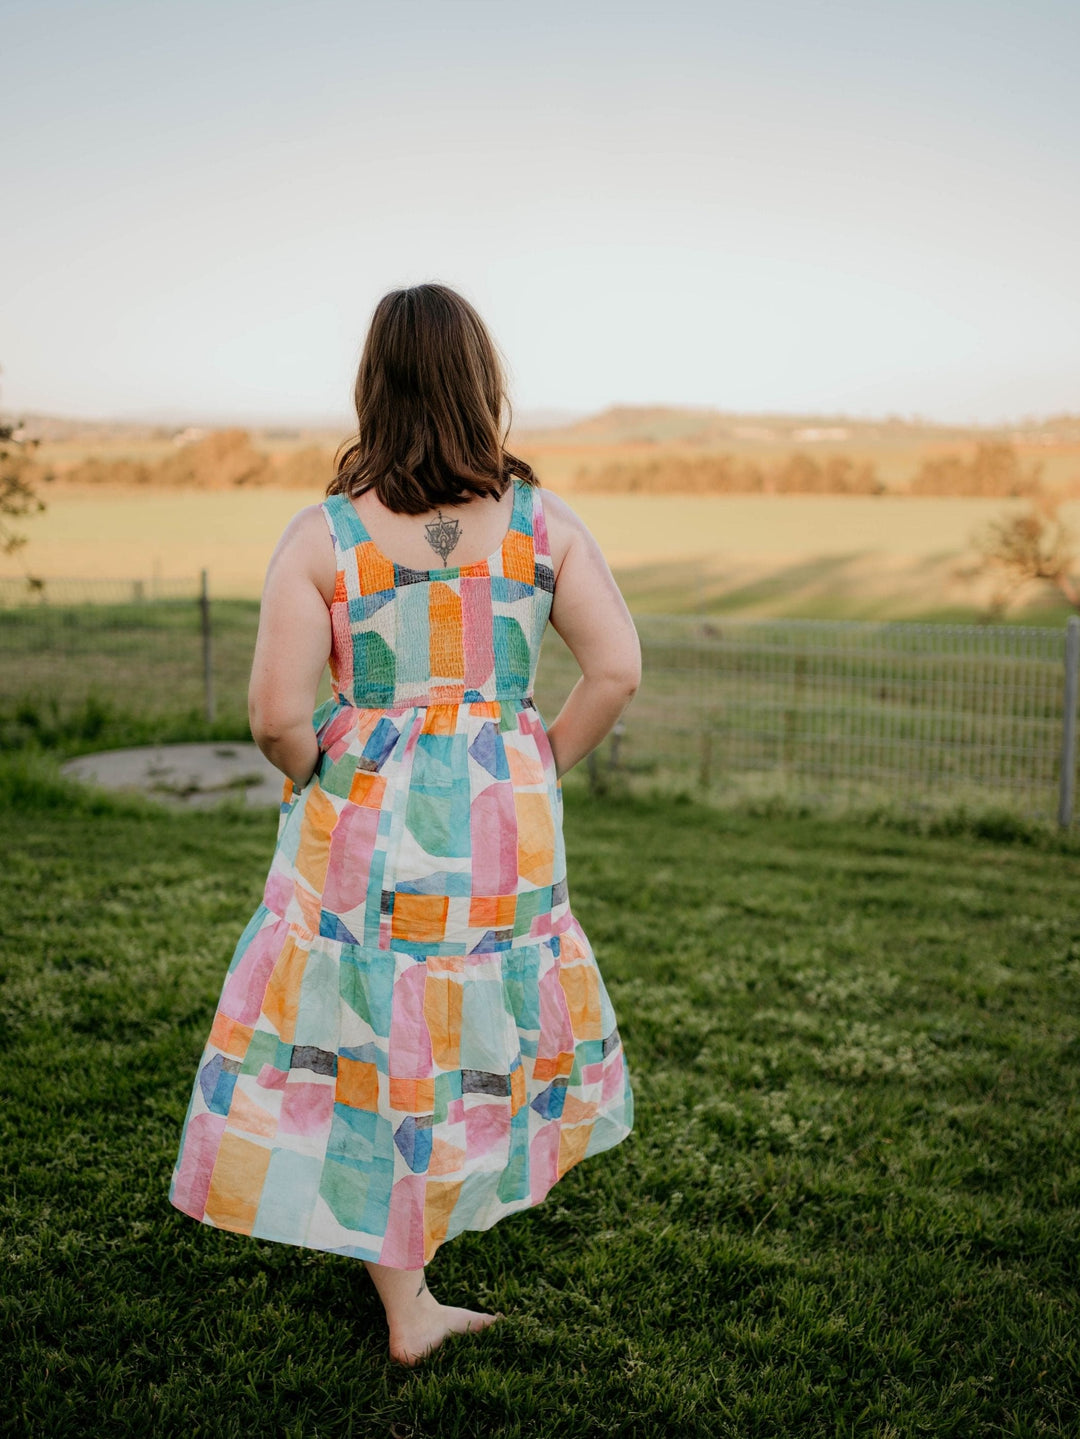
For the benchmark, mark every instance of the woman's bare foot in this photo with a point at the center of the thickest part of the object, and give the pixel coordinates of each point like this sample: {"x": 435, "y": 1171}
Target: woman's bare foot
{"x": 423, "y": 1332}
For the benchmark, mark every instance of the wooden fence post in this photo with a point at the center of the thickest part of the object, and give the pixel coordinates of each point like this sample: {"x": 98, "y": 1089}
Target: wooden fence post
{"x": 207, "y": 653}
{"x": 1067, "y": 784}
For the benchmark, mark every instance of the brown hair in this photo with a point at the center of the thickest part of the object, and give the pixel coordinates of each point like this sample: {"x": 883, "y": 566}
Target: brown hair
{"x": 430, "y": 395}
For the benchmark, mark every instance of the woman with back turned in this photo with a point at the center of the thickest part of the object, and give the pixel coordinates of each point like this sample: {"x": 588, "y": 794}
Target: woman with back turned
{"x": 413, "y": 1037}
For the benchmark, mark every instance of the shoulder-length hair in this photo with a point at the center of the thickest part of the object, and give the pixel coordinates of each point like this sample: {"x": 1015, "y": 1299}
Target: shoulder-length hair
{"x": 430, "y": 397}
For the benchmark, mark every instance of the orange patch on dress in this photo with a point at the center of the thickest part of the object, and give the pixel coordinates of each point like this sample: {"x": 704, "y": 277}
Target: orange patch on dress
{"x": 572, "y": 1146}
{"x": 282, "y": 998}
{"x": 439, "y": 1200}
{"x": 440, "y": 719}
{"x": 412, "y": 1096}
{"x": 357, "y": 1084}
{"x": 310, "y": 907}
{"x": 581, "y": 985}
{"x": 316, "y": 827}
{"x": 447, "y": 642}
{"x": 442, "y": 1015}
{"x": 373, "y": 569}
{"x": 536, "y": 837}
{"x": 446, "y": 1158}
{"x": 575, "y": 1110}
{"x": 245, "y": 1114}
{"x": 552, "y": 1065}
{"x": 367, "y": 789}
{"x": 518, "y": 562}
{"x": 524, "y": 769}
{"x": 230, "y": 1036}
{"x": 236, "y": 1188}
{"x": 492, "y": 911}
{"x": 420, "y": 918}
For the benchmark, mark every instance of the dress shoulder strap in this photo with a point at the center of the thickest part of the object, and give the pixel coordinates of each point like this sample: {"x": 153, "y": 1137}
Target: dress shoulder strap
{"x": 346, "y": 527}
{"x": 541, "y": 543}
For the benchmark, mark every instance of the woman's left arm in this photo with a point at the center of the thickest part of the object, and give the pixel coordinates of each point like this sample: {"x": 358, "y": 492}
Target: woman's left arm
{"x": 293, "y": 645}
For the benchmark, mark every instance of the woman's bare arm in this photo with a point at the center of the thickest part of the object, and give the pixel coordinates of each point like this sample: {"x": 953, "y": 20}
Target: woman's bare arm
{"x": 590, "y": 614}
{"x": 293, "y": 645}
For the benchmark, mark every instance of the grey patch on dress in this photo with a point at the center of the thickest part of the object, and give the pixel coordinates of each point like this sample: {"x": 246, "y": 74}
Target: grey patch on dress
{"x": 544, "y": 578}
{"x": 481, "y": 1081}
{"x": 309, "y": 1056}
{"x": 386, "y": 902}
{"x": 231, "y": 1066}
{"x": 501, "y": 935}
{"x": 405, "y": 576}
{"x": 423, "y": 1121}
{"x": 365, "y": 762}
{"x": 558, "y": 893}
{"x": 612, "y": 1042}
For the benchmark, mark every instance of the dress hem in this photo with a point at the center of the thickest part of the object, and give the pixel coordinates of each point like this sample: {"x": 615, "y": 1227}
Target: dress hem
{"x": 354, "y": 1252}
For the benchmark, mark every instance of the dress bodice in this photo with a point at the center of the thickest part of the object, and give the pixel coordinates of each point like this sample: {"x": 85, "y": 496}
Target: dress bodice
{"x": 457, "y": 635}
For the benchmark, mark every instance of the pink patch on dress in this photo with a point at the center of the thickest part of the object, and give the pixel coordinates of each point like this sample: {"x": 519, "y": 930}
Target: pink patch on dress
{"x": 486, "y": 1126}
{"x": 403, "y": 1246}
{"x": 201, "y": 1140}
{"x": 278, "y": 891}
{"x": 543, "y": 1160}
{"x": 245, "y": 987}
{"x": 613, "y": 1079}
{"x": 455, "y": 1111}
{"x": 410, "y": 1042}
{"x": 493, "y": 822}
{"x": 271, "y": 1078}
{"x": 593, "y": 1073}
{"x": 334, "y": 737}
{"x": 306, "y": 1108}
{"x": 351, "y": 848}
{"x": 341, "y": 646}
{"x": 556, "y": 1031}
{"x": 476, "y": 629}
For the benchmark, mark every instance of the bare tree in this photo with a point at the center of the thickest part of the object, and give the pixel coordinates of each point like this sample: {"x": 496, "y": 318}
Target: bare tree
{"x": 18, "y": 484}
{"x": 1021, "y": 549}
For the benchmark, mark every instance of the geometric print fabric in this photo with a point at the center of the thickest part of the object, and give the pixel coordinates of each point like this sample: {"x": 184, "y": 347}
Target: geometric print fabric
{"x": 413, "y": 1037}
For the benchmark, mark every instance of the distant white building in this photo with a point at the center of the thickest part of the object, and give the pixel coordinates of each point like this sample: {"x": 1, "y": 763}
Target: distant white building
{"x": 188, "y": 436}
{"x": 826, "y": 432}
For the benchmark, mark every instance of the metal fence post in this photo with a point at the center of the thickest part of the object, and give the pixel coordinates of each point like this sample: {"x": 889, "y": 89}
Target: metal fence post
{"x": 1066, "y": 792}
{"x": 207, "y": 655}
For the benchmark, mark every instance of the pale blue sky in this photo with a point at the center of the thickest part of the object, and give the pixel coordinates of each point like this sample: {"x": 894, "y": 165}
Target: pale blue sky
{"x": 868, "y": 207}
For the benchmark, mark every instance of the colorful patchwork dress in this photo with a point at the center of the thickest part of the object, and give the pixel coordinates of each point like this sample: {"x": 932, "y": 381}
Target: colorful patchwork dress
{"x": 413, "y": 1037}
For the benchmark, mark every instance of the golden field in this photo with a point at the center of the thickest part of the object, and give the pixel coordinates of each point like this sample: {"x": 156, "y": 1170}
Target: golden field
{"x": 220, "y": 502}
{"x": 848, "y": 555}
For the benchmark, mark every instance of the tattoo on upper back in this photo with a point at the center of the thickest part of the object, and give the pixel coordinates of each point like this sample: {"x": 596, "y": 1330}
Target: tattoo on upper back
{"x": 443, "y": 535}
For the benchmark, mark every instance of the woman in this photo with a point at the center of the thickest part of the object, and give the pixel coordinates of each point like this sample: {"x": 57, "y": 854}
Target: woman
{"x": 413, "y": 1037}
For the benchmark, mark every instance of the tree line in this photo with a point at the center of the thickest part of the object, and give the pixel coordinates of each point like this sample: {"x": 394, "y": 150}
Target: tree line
{"x": 994, "y": 471}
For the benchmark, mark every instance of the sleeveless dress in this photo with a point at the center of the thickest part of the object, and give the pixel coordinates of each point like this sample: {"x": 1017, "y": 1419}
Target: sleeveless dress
{"x": 413, "y": 1037}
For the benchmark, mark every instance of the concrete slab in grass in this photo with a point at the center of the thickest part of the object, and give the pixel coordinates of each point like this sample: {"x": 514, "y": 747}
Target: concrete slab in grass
{"x": 191, "y": 775}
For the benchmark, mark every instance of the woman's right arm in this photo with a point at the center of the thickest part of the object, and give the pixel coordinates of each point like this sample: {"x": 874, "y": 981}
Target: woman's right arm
{"x": 590, "y": 614}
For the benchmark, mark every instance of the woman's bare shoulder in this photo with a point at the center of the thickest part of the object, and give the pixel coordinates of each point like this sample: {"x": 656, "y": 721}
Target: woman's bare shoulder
{"x": 306, "y": 549}
{"x": 564, "y": 526}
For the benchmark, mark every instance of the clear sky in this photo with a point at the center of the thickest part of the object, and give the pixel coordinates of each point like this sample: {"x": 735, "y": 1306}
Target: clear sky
{"x": 870, "y": 206}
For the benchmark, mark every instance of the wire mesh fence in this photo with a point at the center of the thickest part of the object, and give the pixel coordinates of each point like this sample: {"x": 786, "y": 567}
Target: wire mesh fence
{"x": 90, "y": 658}
{"x": 919, "y": 715}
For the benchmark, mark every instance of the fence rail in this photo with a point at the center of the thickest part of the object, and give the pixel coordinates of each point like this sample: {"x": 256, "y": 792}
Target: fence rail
{"x": 842, "y": 711}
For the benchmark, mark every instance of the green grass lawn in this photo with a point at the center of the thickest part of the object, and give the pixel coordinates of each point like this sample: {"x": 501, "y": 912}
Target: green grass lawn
{"x": 848, "y": 1207}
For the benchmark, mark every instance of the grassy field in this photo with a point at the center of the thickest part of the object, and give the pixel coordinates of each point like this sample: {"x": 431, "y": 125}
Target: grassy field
{"x": 821, "y": 556}
{"x": 851, "y": 716}
{"x": 849, "y": 1205}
